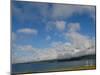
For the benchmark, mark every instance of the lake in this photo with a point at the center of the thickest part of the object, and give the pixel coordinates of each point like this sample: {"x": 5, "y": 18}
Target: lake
{"x": 46, "y": 66}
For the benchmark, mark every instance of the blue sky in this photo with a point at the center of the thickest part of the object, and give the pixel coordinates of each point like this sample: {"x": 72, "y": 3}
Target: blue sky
{"x": 38, "y": 25}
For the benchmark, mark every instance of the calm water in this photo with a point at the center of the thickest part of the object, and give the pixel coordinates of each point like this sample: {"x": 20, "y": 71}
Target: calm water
{"x": 44, "y": 66}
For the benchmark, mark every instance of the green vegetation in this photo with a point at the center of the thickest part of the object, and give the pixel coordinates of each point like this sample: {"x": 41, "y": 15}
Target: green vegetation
{"x": 75, "y": 68}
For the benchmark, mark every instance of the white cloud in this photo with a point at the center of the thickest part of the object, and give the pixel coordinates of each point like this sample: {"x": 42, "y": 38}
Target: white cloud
{"x": 47, "y": 54}
{"x": 79, "y": 40}
{"x": 73, "y": 27}
{"x": 59, "y": 50}
{"x": 25, "y": 47}
{"x": 65, "y": 11}
{"x": 23, "y": 53}
{"x": 83, "y": 43}
{"x": 27, "y": 31}
{"x": 55, "y": 44}
{"x": 60, "y": 25}
{"x": 62, "y": 11}
{"x": 28, "y": 53}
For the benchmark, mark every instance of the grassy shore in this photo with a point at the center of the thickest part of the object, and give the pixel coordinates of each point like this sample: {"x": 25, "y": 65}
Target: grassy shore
{"x": 62, "y": 69}
{"x": 75, "y": 68}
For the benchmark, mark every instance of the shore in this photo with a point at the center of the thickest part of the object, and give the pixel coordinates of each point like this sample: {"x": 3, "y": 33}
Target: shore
{"x": 93, "y": 67}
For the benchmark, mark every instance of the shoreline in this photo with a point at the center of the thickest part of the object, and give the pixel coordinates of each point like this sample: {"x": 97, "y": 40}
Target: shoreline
{"x": 92, "y": 67}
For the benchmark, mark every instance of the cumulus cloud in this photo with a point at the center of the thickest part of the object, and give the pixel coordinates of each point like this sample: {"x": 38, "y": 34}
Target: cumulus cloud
{"x": 28, "y": 53}
{"x": 65, "y": 11}
{"x": 22, "y": 53}
{"x": 47, "y": 54}
{"x": 75, "y": 37}
{"x": 83, "y": 43}
{"x": 73, "y": 27}
{"x": 55, "y": 44}
{"x": 27, "y": 31}
{"x": 62, "y": 11}
{"x": 59, "y": 25}
{"x": 25, "y": 47}
{"x": 79, "y": 40}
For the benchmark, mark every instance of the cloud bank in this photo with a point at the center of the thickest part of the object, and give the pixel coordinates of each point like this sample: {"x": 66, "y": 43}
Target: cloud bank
{"x": 78, "y": 45}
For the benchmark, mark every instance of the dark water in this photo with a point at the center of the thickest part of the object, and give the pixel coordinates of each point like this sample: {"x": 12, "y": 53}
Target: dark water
{"x": 45, "y": 66}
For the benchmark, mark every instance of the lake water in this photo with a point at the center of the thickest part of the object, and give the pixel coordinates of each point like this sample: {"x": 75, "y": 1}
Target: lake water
{"x": 44, "y": 66}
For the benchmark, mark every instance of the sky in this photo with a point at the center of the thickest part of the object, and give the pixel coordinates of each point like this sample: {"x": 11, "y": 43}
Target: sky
{"x": 45, "y": 31}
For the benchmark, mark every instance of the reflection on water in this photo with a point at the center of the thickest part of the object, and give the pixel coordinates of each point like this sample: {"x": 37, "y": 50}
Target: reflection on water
{"x": 44, "y": 66}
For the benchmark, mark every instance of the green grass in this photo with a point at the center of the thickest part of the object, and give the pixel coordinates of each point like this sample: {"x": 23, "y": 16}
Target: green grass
{"x": 75, "y": 68}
